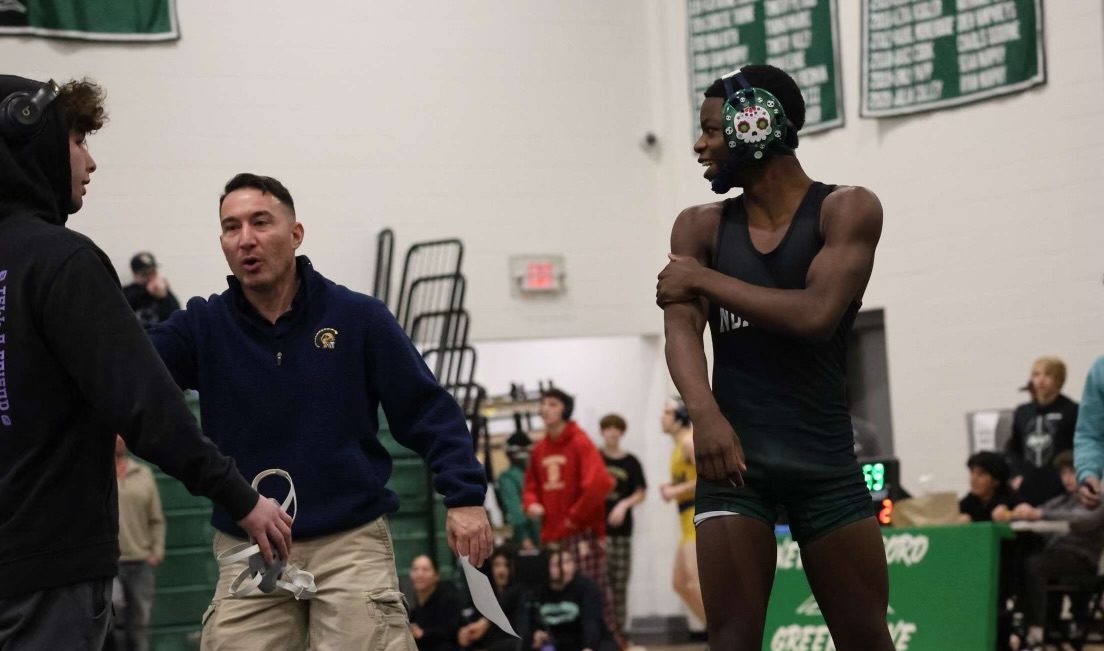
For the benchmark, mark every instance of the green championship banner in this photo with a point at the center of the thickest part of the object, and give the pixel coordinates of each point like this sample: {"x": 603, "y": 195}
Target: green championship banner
{"x": 919, "y": 55}
{"x": 798, "y": 36}
{"x": 98, "y": 20}
{"x": 942, "y": 591}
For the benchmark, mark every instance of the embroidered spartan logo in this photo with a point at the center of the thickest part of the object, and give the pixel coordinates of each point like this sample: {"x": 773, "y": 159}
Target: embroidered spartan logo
{"x": 325, "y": 338}
{"x": 13, "y": 5}
{"x": 730, "y": 321}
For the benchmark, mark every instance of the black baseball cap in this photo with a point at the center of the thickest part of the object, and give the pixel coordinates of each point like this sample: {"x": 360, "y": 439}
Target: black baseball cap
{"x": 142, "y": 261}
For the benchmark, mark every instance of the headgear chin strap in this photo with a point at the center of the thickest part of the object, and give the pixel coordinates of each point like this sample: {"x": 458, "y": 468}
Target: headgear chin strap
{"x": 754, "y": 124}
{"x": 260, "y": 577}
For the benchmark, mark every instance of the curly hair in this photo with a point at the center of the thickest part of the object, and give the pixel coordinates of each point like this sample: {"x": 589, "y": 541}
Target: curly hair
{"x": 82, "y": 103}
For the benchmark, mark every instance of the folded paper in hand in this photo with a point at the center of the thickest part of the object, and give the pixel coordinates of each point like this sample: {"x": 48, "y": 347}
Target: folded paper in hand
{"x": 483, "y": 597}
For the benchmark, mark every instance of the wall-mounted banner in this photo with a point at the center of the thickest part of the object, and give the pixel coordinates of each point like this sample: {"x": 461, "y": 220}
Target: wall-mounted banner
{"x": 102, "y": 20}
{"x": 798, "y": 36}
{"x": 919, "y": 55}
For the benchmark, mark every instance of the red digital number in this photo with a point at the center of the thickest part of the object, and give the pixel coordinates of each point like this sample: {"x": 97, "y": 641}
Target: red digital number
{"x": 885, "y": 515}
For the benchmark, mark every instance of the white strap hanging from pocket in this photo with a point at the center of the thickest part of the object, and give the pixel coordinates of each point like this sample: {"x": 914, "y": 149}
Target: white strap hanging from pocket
{"x": 259, "y": 577}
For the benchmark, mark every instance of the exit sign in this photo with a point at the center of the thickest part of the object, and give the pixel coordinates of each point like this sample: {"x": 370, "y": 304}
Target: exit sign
{"x": 537, "y": 274}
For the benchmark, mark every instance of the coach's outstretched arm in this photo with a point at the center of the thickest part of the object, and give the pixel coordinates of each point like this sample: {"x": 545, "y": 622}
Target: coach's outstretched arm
{"x": 426, "y": 418}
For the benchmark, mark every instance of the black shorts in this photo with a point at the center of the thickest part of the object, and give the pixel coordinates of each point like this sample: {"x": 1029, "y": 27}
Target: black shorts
{"x": 816, "y": 503}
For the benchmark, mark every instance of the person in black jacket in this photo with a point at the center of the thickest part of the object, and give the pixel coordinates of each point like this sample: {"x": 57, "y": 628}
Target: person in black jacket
{"x": 1041, "y": 430}
{"x": 149, "y": 295}
{"x": 989, "y": 489}
{"x": 570, "y": 608}
{"x": 75, "y": 367}
{"x": 477, "y": 633}
{"x": 435, "y": 615}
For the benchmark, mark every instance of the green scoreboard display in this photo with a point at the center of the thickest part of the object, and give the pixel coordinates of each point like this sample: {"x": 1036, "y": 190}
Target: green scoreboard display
{"x": 874, "y": 473}
{"x": 883, "y": 480}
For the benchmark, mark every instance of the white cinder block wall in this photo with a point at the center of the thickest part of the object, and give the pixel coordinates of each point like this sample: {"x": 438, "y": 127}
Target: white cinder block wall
{"x": 512, "y": 125}
{"x": 516, "y": 126}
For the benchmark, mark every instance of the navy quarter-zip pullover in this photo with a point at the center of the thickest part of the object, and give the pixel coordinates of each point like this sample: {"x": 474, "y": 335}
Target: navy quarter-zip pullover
{"x": 303, "y": 394}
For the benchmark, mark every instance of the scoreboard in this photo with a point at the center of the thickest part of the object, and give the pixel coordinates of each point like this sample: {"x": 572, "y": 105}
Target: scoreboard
{"x": 883, "y": 480}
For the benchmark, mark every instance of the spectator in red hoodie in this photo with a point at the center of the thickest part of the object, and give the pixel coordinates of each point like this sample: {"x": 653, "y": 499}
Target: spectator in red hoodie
{"x": 566, "y": 485}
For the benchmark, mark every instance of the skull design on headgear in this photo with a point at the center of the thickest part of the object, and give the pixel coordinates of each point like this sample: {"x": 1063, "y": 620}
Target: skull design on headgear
{"x": 751, "y": 125}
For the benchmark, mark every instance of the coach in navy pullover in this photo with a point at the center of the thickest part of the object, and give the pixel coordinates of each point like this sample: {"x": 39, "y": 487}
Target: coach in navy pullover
{"x": 292, "y": 370}
{"x": 303, "y": 395}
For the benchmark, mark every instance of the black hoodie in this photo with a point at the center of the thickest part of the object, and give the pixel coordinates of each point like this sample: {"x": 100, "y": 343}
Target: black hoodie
{"x": 75, "y": 367}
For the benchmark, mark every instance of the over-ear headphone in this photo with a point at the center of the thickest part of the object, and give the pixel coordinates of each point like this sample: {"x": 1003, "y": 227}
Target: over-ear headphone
{"x": 21, "y": 112}
{"x": 680, "y": 412}
{"x": 753, "y": 120}
{"x": 569, "y": 408}
{"x": 564, "y": 397}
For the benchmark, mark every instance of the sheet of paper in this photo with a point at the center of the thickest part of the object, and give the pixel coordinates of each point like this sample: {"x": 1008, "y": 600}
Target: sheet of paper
{"x": 484, "y": 598}
{"x": 985, "y": 430}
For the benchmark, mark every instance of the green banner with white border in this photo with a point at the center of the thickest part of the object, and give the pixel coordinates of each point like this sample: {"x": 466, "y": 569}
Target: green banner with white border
{"x": 91, "y": 20}
{"x": 919, "y": 55}
{"x": 798, "y": 36}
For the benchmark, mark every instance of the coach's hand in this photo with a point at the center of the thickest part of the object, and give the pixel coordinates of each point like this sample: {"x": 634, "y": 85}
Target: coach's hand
{"x": 469, "y": 533}
{"x": 265, "y": 523}
{"x": 717, "y": 449}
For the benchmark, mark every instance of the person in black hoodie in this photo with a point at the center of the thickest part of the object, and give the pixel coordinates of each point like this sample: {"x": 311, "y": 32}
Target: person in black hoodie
{"x": 989, "y": 492}
{"x": 477, "y": 633}
{"x": 1041, "y": 430}
{"x": 149, "y": 295}
{"x": 570, "y": 608}
{"x": 75, "y": 367}
{"x": 435, "y": 613}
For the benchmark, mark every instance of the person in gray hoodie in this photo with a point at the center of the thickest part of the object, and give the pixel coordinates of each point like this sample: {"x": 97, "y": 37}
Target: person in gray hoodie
{"x": 1076, "y": 553}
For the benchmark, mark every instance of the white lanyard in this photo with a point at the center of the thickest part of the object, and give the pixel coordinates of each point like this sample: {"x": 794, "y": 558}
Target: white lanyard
{"x": 259, "y": 577}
